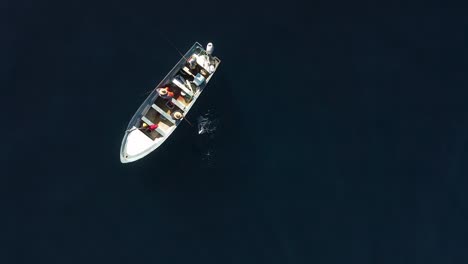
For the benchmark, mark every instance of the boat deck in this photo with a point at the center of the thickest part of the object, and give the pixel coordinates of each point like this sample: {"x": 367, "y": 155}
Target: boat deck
{"x": 161, "y": 110}
{"x": 154, "y": 117}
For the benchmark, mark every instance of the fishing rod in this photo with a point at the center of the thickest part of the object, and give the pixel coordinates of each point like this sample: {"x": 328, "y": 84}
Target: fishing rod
{"x": 188, "y": 121}
{"x": 173, "y": 45}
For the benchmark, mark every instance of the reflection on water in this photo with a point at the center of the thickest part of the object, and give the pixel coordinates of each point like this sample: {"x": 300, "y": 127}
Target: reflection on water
{"x": 207, "y": 125}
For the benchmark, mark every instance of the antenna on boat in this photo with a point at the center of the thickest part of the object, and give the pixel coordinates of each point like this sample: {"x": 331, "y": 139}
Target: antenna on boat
{"x": 172, "y": 44}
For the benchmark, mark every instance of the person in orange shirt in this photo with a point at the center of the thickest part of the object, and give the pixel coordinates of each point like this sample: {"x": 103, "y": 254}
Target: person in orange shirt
{"x": 165, "y": 93}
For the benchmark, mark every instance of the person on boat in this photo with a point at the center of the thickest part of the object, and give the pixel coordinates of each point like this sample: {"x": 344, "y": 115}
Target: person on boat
{"x": 145, "y": 127}
{"x": 177, "y": 115}
{"x": 165, "y": 92}
{"x": 152, "y": 127}
{"x": 192, "y": 62}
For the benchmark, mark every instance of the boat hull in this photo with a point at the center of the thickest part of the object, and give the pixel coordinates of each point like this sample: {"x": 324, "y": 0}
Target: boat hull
{"x": 137, "y": 142}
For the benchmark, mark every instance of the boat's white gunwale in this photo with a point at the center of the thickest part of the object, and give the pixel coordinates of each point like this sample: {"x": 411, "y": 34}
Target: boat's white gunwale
{"x": 148, "y": 102}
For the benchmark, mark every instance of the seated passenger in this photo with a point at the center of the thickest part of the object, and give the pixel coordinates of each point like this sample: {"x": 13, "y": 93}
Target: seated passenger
{"x": 177, "y": 115}
{"x": 192, "y": 62}
{"x": 165, "y": 92}
{"x": 149, "y": 128}
{"x": 152, "y": 127}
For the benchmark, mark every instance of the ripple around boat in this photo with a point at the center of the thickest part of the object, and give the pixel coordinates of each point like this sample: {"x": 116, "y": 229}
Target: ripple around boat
{"x": 161, "y": 113}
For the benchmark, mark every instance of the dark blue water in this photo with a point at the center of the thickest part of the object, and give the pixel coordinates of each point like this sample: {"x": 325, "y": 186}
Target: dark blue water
{"x": 342, "y": 134}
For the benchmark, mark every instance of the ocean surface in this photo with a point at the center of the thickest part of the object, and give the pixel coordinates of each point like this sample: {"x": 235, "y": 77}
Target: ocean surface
{"x": 342, "y": 134}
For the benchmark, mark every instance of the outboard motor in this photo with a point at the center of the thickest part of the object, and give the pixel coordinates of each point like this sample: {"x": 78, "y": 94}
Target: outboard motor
{"x": 209, "y": 51}
{"x": 209, "y": 48}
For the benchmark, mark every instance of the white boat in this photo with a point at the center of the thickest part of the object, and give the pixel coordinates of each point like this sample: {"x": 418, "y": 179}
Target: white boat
{"x": 166, "y": 106}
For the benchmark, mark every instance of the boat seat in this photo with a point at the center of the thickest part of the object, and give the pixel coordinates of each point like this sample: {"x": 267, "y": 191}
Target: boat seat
{"x": 182, "y": 87}
{"x": 187, "y": 70}
{"x": 164, "y": 114}
{"x": 149, "y": 123}
{"x": 177, "y": 103}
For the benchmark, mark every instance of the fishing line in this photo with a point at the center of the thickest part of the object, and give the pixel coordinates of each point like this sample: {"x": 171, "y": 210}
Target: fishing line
{"x": 172, "y": 44}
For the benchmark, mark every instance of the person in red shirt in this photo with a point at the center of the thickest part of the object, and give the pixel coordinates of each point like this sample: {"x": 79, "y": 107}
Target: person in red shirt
{"x": 145, "y": 127}
{"x": 149, "y": 128}
{"x": 152, "y": 127}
